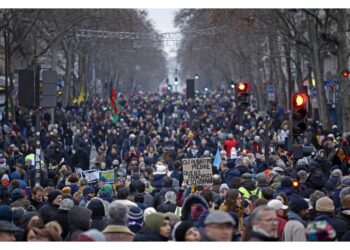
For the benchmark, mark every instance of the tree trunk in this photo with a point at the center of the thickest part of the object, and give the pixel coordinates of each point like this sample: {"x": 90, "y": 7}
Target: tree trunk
{"x": 344, "y": 84}
{"x": 321, "y": 97}
{"x": 68, "y": 75}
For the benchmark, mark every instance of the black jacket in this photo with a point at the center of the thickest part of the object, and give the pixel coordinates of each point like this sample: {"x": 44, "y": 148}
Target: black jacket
{"x": 147, "y": 234}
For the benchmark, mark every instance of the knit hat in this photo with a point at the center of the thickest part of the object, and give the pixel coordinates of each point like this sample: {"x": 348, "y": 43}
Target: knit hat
{"x": 247, "y": 176}
{"x": 223, "y": 186}
{"x": 325, "y": 204}
{"x": 298, "y": 204}
{"x": 196, "y": 211}
{"x": 5, "y": 213}
{"x": 16, "y": 194}
{"x": 181, "y": 230}
{"x": 107, "y": 189}
{"x": 320, "y": 231}
{"x": 66, "y": 204}
{"x": 91, "y": 235}
{"x": 52, "y": 196}
{"x": 135, "y": 214}
{"x": 102, "y": 178}
{"x": 67, "y": 190}
{"x": 154, "y": 221}
{"x": 87, "y": 190}
{"x": 15, "y": 175}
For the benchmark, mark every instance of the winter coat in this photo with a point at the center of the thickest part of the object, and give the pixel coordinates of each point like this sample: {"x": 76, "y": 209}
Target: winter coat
{"x": 147, "y": 234}
{"x": 62, "y": 218}
{"x": 22, "y": 202}
{"x": 344, "y": 214}
{"x": 294, "y": 231}
{"x": 166, "y": 207}
{"x": 118, "y": 233}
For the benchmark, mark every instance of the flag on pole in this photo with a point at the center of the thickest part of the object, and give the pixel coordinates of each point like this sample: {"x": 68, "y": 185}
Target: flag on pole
{"x": 81, "y": 95}
{"x": 217, "y": 159}
{"x": 115, "y": 105}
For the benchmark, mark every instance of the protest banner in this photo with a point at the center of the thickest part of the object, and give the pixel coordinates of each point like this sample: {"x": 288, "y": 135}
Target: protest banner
{"x": 90, "y": 175}
{"x": 109, "y": 175}
{"x": 197, "y": 171}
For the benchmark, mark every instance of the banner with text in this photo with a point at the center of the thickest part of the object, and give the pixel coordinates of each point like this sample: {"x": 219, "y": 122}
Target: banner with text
{"x": 197, "y": 171}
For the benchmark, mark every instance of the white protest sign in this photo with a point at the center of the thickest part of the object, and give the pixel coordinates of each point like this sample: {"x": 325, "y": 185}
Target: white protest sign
{"x": 197, "y": 171}
{"x": 91, "y": 175}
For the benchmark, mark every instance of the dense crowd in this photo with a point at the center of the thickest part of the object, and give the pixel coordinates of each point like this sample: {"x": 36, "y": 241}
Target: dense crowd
{"x": 259, "y": 191}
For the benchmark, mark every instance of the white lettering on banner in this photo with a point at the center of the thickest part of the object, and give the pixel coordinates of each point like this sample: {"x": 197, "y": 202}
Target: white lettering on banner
{"x": 197, "y": 171}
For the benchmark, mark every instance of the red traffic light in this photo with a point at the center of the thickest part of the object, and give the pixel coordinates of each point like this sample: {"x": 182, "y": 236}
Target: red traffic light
{"x": 300, "y": 100}
{"x": 242, "y": 86}
{"x": 345, "y": 73}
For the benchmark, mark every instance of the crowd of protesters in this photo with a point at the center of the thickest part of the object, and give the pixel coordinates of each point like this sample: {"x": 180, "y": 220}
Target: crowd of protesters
{"x": 260, "y": 192}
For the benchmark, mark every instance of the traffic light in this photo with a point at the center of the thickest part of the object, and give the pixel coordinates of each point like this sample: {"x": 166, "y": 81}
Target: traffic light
{"x": 242, "y": 95}
{"x": 345, "y": 73}
{"x": 300, "y": 109}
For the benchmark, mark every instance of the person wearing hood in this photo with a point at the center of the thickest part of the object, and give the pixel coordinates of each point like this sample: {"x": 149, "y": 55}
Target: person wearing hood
{"x": 88, "y": 193}
{"x": 193, "y": 199}
{"x": 79, "y": 220}
{"x": 50, "y": 209}
{"x": 18, "y": 197}
{"x": 159, "y": 197}
{"x": 286, "y": 186}
{"x": 97, "y": 206}
{"x": 321, "y": 159}
{"x": 186, "y": 231}
{"x": 274, "y": 180}
{"x": 156, "y": 228}
{"x": 345, "y": 167}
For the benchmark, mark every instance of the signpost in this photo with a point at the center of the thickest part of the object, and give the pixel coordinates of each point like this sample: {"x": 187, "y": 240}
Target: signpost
{"x": 197, "y": 171}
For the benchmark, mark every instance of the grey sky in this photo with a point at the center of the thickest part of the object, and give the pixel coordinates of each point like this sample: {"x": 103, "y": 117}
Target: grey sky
{"x": 163, "y": 19}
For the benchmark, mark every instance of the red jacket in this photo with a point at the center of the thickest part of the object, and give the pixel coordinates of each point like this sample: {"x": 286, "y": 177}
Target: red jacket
{"x": 228, "y": 145}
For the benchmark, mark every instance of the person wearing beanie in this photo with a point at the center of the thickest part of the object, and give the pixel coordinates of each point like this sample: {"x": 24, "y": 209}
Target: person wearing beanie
{"x": 48, "y": 211}
{"x": 88, "y": 193}
{"x": 62, "y": 215}
{"x": 106, "y": 192}
{"x": 148, "y": 211}
{"x": 298, "y": 210}
{"x": 79, "y": 220}
{"x": 18, "y": 198}
{"x": 97, "y": 206}
{"x": 135, "y": 222}
{"x": 286, "y": 185}
{"x": 325, "y": 211}
{"x": 5, "y": 213}
{"x": 156, "y": 228}
{"x": 186, "y": 231}
{"x": 117, "y": 229}
{"x": 345, "y": 182}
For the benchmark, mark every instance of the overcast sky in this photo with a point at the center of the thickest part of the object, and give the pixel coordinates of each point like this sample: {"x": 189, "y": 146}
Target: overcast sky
{"x": 163, "y": 19}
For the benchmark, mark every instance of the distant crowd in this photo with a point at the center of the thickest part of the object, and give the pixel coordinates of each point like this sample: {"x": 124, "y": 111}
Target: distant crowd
{"x": 259, "y": 190}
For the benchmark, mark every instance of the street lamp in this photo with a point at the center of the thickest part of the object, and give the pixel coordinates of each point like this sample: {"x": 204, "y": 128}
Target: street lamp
{"x": 196, "y": 77}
